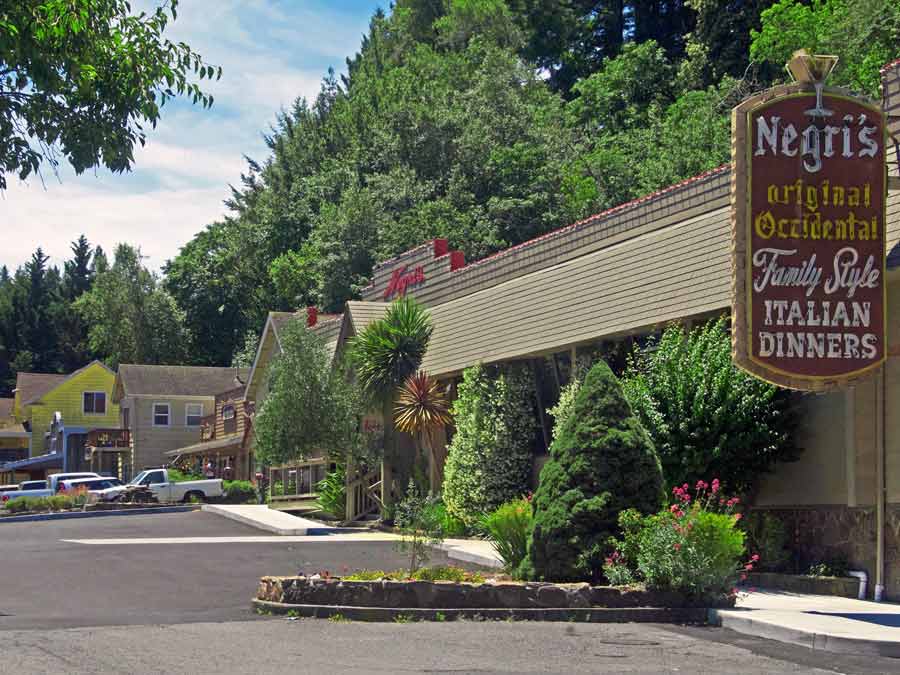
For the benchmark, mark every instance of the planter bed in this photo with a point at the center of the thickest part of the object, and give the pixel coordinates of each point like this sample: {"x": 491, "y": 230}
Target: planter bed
{"x": 94, "y": 511}
{"x": 385, "y": 600}
{"x": 844, "y": 587}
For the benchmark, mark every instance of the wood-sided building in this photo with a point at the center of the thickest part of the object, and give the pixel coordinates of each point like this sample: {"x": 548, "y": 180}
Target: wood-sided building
{"x": 626, "y": 273}
{"x": 224, "y": 448}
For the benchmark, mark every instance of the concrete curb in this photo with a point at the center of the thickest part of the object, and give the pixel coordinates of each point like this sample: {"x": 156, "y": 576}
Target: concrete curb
{"x": 70, "y": 515}
{"x": 270, "y": 520}
{"x": 736, "y": 621}
{"x": 679, "y": 615}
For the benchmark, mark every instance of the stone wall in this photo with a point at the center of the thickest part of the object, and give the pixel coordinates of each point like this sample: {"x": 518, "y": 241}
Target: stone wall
{"x": 450, "y": 595}
{"x": 817, "y": 533}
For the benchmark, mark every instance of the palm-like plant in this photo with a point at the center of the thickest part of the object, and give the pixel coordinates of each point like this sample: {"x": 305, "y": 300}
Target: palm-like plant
{"x": 421, "y": 409}
{"x": 385, "y": 354}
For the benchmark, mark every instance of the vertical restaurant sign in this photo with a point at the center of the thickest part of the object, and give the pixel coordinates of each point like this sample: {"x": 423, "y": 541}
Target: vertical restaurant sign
{"x": 808, "y": 215}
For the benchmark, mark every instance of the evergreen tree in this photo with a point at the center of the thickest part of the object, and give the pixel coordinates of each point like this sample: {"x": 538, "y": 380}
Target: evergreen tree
{"x": 601, "y": 463}
{"x": 79, "y": 273}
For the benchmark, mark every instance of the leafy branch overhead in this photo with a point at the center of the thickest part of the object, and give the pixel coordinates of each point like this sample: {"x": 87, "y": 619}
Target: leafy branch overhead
{"x": 84, "y": 78}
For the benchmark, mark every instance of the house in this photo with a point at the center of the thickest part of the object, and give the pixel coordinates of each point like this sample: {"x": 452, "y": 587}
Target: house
{"x": 61, "y": 414}
{"x": 224, "y": 440}
{"x": 13, "y": 437}
{"x": 163, "y": 407}
{"x": 297, "y": 480}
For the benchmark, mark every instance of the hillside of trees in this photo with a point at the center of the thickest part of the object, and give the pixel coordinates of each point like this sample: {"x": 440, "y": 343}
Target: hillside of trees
{"x": 487, "y": 122}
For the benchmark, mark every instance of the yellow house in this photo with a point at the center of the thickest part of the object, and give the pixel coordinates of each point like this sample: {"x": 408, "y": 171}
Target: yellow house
{"x": 60, "y": 412}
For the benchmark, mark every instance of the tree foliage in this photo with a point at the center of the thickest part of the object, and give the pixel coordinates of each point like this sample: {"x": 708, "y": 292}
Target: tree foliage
{"x": 865, "y": 34}
{"x": 490, "y": 456}
{"x": 707, "y": 417}
{"x": 312, "y": 408}
{"x": 601, "y": 463}
{"x": 130, "y": 318}
{"x": 83, "y": 78}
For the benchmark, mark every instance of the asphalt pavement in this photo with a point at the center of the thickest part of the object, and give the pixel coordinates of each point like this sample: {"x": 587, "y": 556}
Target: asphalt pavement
{"x": 185, "y": 608}
{"x": 46, "y": 582}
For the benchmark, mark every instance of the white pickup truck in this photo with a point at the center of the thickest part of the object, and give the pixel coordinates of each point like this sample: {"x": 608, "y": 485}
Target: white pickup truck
{"x": 157, "y": 480}
{"x": 52, "y": 485}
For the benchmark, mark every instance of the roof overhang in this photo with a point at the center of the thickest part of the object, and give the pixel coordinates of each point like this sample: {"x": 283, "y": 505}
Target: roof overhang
{"x": 207, "y": 446}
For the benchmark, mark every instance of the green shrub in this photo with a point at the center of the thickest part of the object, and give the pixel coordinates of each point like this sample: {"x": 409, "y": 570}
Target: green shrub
{"x": 767, "y": 536}
{"x": 60, "y": 502}
{"x": 451, "y": 526}
{"x": 333, "y": 493}
{"x": 508, "y": 529}
{"x": 835, "y": 565}
{"x": 239, "y": 491}
{"x": 179, "y": 476}
{"x": 419, "y": 527}
{"x": 563, "y": 408}
{"x": 447, "y": 573}
{"x": 601, "y": 464}
{"x": 705, "y": 416}
{"x": 490, "y": 457}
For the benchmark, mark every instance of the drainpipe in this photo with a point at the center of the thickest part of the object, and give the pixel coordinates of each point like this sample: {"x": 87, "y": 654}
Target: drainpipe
{"x": 863, "y": 582}
{"x": 880, "y": 485}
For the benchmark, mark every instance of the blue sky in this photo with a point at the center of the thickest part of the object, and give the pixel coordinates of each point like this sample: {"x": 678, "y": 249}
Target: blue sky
{"x": 271, "y": 51}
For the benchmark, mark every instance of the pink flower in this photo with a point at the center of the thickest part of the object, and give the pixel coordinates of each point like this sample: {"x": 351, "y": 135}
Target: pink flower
{"x": 749, "y": 567}
{"x": 674, "y": 508}
{"x": 715, "y": 485}
{"x": 743, "y": 576}
{"x": 754, "y": 557}
{"x": 737, "y": 517}
{"x": 701, "y": 485}
{"x": 677, "y": 547}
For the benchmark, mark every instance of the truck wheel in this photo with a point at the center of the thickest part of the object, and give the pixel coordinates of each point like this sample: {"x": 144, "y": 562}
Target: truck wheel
{"x": 194, "y": 496}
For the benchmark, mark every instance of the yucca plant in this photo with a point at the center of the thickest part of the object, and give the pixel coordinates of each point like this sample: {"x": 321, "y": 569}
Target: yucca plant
{"x": 421, "y": 409}
{"x": 384, "y": 355}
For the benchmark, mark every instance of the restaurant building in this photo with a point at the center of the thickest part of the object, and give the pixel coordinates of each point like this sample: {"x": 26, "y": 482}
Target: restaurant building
{"x": 626, "y": 273}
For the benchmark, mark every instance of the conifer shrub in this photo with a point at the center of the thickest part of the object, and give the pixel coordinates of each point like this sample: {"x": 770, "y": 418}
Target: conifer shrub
{"x": 601, "y": 463}
{"x": 489, "y": 459}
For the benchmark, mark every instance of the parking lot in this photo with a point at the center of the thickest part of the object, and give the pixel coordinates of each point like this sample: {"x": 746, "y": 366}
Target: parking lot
{"x": 46, "y": 582}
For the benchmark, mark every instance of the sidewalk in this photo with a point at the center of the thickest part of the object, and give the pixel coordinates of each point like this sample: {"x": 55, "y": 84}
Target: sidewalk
{"x": 475, "y": 551}
{"x": 269, "y": 520}
{"x": 816, "y": 621}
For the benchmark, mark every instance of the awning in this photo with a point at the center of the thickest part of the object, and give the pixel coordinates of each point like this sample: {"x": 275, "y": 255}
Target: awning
{"x": 207, "y": 446}
{"x": 41, "y": 461}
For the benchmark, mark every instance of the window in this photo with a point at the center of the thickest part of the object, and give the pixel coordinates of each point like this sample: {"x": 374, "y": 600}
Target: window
{"x": 193, "y": 414}
{"x": 94, "y": 403}
{"x": 228, "y": 411}
{"x": 154, "y": 478}
{"x": 161, "y": 413}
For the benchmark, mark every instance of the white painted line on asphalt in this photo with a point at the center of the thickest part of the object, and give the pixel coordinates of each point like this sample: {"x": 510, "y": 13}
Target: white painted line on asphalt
{"x": 275, "y": 539}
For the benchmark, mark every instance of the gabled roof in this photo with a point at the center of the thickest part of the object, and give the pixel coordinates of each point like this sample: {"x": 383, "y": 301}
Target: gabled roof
{"x": 363, "y": 313}
{"x": 32, "y": 386}
{"x": 7, "y": 405}
{"x": 147, "y": 380}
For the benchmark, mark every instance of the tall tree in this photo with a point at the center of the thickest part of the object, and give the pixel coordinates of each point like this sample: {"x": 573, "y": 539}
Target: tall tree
{"x": 83, "y": 78}
{"x": 130, "y": 317}
{"x": 78, "y": 275}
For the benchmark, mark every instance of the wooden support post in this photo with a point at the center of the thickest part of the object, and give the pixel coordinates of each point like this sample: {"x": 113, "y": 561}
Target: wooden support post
{"x": 540, "y": 406}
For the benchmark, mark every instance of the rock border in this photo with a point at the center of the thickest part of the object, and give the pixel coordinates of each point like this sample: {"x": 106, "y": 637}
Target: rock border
{"x": 391, "y": 600}
{"x": 672, "y": 615}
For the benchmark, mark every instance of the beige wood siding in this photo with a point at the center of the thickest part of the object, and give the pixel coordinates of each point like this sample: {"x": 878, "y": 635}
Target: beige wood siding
{"x": 150, "y": 443}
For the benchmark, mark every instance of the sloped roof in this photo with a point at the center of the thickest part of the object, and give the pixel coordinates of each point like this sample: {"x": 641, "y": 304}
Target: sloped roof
{"x": 363, "y": 313}
{"x": 6, "y": 409}
{"x": 32, "y": 386}
{"x": 145, "y": 380}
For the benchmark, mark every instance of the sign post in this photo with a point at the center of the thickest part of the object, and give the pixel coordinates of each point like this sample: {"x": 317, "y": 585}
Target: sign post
{"x": 808, "y": 226}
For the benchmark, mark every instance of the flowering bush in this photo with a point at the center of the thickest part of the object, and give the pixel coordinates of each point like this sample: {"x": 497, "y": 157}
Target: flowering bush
{"x": 693, "y": 547}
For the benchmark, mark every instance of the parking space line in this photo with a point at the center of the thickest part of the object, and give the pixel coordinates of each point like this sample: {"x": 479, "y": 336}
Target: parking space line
{"x": 263, "y": 539}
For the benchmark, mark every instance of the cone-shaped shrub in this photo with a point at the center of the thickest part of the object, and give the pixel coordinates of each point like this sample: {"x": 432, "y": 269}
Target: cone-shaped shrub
{"x": 601, "y": 463}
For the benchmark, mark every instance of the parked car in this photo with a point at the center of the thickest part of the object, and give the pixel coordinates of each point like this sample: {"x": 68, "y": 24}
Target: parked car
{"x": 33, "y": 485}
{"x": 8, "y": 488}
{"x": 94, "y": 486}
{"x": 157, "y": 481}
{"x": 52, "y": 485}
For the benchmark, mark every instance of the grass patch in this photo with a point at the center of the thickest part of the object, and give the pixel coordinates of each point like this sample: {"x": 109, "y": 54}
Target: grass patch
{"x": 338, "y": 618}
